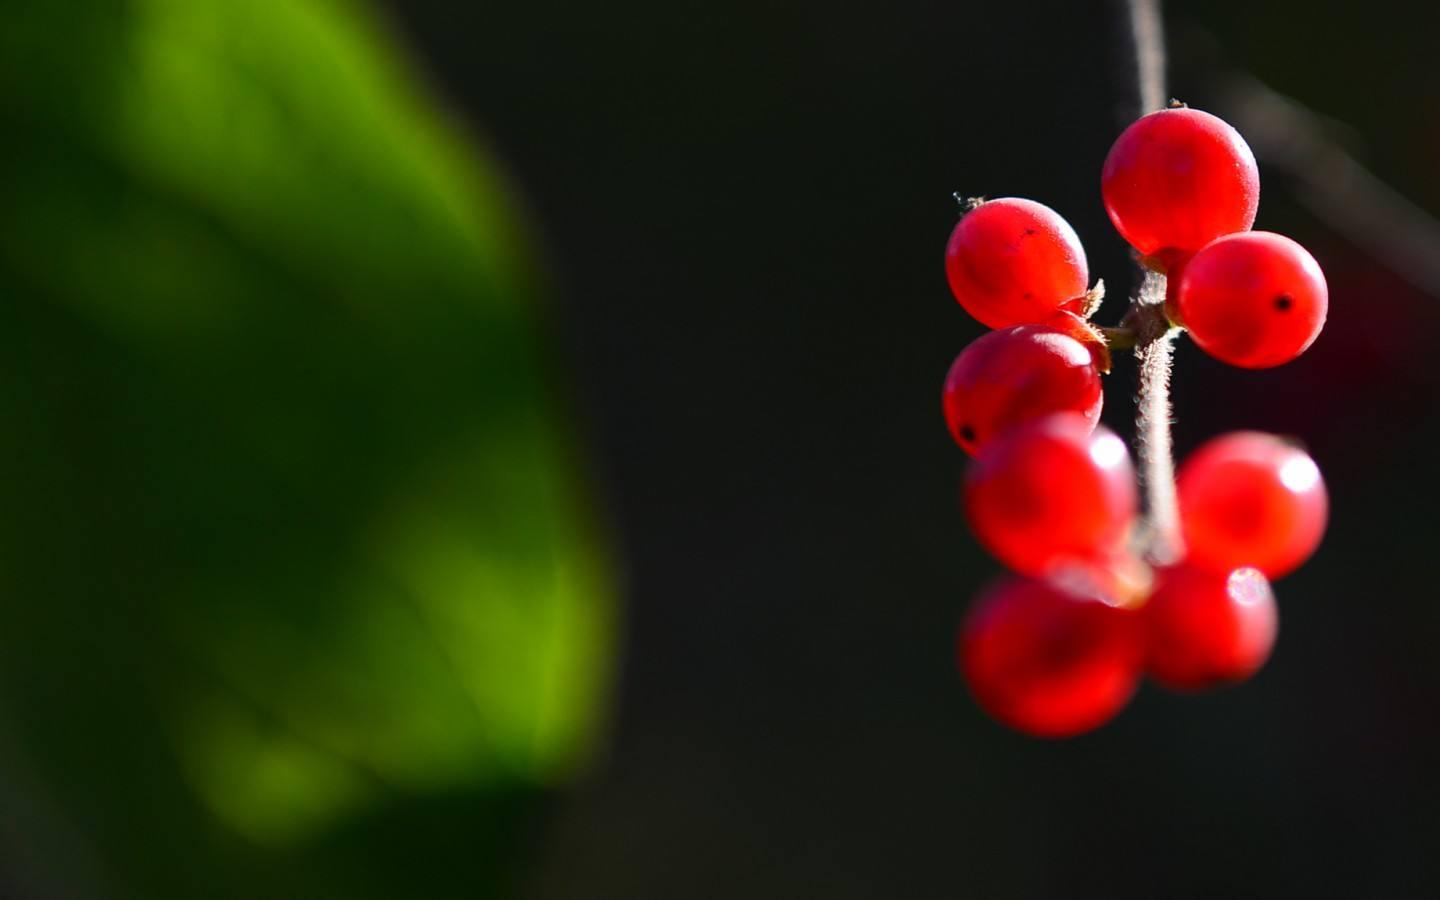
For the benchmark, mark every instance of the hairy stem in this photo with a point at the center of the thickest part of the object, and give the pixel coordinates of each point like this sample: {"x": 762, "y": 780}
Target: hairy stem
{"x": 1154, "y": 335}
{"x": 1154, "y": 350}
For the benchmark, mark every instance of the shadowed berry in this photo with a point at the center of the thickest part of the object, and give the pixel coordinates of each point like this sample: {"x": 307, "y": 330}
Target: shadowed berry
{"x": 1048, "y": 661}
{"x": 1015, "y": 262}
{"x": 1015, "y": 375}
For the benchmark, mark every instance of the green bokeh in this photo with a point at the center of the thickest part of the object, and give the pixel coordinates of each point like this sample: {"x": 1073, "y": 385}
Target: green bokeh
{"x": 298, "y": 592}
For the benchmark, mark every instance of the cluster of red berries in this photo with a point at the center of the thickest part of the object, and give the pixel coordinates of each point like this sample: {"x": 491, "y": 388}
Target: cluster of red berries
{"x": 1060, "y": 648}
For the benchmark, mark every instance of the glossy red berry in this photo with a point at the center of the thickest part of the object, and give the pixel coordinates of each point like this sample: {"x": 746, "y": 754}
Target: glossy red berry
{"x": 1253, "y": 300}
{"x": 1251, "y": 499}
{"x": 1049, "y": 492}
{"x": 1205, "y": 629}
{"x": 1177, "y": 179}
{"x": 1072, "y": 325}
{"x": 1014, "y": 262}
{"x": 1048, "y": 661}
{"x": 1015, "y": 375}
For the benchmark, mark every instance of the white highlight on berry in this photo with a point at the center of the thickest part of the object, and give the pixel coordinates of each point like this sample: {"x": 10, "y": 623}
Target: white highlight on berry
{"x": 1067, "y": 348}
{"x": 1107, "y": 451}
{"x": 1248, "y": 586}
{"x": 1299, "y": 473}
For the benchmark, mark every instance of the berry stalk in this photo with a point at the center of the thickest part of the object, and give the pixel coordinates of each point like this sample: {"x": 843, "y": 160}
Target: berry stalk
{"x": 1154, "y": 335}
{"x": 1154, "y": 352}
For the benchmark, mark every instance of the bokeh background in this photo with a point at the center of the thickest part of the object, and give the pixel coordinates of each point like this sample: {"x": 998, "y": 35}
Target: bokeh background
{"x": 493, "y": 450}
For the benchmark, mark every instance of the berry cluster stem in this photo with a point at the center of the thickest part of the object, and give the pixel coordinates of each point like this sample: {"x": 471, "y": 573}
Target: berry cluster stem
{"x": 1147, "y": 45}
{"x": 1154, "y": 352}
{"x": 1154, "y": 335}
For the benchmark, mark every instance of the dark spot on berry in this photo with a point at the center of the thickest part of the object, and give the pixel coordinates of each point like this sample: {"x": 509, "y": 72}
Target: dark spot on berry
{"x": 967, "y": 434}
{"x": 1284, "y": 302}
{"x": 1029, "y": 232}
{"x": 1028, "y": 296}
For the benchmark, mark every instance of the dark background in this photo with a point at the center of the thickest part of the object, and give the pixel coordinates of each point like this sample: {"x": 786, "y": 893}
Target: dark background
{"x": 745, "y": 205}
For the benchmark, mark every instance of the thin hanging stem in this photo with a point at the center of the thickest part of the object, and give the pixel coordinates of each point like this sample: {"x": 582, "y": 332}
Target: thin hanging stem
{"x": 1154, "y": 350}
{"x": 1147, "y": 39}
{"x": 1154, "y": 335}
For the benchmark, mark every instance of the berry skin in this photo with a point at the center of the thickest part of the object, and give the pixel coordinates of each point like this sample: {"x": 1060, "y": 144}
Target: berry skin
{"x": 1071, "y": 325}
{"x": 1251, "y": 499}
{"x": 1015, "y": 375}
{"x": 1014, "y": 262}
{"x": 1047, "y": 661}
{"x": 1177, "y": 179}
{"x": 1050, "y": 492}
{"x": 1205, "y": 629}
{"x": 1253, "y": 300}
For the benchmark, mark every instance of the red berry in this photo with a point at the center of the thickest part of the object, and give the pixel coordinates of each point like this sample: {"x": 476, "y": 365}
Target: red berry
{"x": 1177, "y": 179}
{"x": 1071, "y": 325}
{"x": 1048, "y": 661}
{"x": 1253, "y": 300}
{"x": 1251, "y": 499}
{"x": 1014, "y": 262}
{"x": 1051, "y": 491}
{"x": 1205, "y": 629}
{"x": 1014, "y": 375}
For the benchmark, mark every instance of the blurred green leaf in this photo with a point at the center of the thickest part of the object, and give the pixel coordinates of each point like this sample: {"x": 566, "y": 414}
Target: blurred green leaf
{"x": 298, "y": 590}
